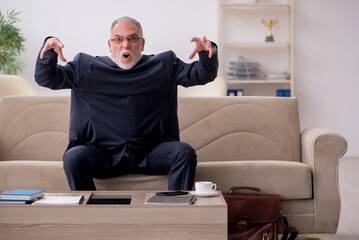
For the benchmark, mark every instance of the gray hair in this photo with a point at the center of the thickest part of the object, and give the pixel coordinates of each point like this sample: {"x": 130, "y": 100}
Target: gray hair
{"x": 130, "y": 20}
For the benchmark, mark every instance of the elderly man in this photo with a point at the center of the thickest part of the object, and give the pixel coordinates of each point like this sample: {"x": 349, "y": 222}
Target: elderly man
{"x": 124, "y": 107}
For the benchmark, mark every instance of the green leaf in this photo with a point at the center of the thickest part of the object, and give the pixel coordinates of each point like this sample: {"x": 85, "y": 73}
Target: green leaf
{"x": 11, "y": 43}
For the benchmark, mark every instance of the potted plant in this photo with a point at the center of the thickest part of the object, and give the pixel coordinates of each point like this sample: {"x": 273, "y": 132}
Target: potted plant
{"x": 11, "y": 43}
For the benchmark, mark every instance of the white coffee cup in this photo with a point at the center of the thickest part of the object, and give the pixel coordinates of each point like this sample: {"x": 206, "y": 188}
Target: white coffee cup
{"x": 205, "y": 187}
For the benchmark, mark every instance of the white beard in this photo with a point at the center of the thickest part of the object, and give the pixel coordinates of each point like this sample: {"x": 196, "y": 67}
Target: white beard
{"x": 117, "y": 59}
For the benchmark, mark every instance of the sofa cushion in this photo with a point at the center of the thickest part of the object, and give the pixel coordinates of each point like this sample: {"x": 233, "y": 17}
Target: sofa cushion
{"x": 135, "y": 182}
{"x": 50, "y": 175}
{"x": 45, "y": 175}
{"x": 291, "y": 180}
{"x": 34, "y": 128}
{"x": 240, "y": 129}
{"x": 219, "y": 128}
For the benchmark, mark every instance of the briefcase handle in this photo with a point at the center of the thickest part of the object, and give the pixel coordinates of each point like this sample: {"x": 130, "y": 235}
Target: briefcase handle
{"x": 246, "y": 188}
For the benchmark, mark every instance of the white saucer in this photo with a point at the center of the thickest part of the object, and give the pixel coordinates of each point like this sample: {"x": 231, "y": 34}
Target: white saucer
{"x": 208, "y": 194}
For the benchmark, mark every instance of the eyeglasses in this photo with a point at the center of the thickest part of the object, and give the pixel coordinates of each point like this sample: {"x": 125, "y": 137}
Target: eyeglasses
{"x": 131, "y": 39}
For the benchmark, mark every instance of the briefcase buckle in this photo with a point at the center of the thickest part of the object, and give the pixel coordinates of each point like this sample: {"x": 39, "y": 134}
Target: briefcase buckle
{"x": 242, "y": 224}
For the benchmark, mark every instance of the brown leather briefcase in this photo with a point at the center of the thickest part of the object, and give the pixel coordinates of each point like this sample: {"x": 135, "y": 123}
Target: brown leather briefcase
{"x": 255, "y": 216}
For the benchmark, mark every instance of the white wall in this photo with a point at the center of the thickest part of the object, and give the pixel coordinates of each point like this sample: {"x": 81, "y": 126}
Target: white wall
{"x": 326, "y": 66}
{"x": 84, "y": 26}
{"x": 326, "y": 51}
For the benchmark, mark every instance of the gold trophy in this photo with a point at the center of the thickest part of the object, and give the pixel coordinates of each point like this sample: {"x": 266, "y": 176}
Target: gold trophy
{"x": 269, "y": 23}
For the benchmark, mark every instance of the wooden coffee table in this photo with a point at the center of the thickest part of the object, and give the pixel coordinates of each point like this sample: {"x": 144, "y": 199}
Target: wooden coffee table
{"x": 206, "y": 219}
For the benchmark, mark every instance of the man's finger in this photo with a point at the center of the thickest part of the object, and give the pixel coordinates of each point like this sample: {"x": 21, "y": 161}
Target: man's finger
{"x": 46, "y": 48}
{"x": 193, "y": 53}
{"x": 58, "y": 50}
{"x": 61, "y": 56}
{"x": 42, "y": 53}
{"x": 210, "y": 52}
{"x": 204, "y": 39}
{"x": 194, "y": 39}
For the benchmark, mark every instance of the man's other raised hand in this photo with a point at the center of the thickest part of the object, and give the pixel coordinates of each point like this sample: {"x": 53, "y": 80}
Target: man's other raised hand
{"x": 202, "y": 44}
{"x": 56, "y": 45}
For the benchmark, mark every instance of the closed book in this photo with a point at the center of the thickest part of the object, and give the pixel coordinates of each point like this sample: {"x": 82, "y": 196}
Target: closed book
{"x": 22, "y": 194}
{"x": 172, "y": 200}
{"x": 59, "y": 200}
{"x": 14, "y": 202}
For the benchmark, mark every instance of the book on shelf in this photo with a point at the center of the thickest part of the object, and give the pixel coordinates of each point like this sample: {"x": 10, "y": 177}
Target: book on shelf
{"x": 283, "y": 92}
{"x": 22, "y": 194}
{"x": 235, "y": 92}
{"x": 59, "y": 200}
{"x": 172, "y": 200}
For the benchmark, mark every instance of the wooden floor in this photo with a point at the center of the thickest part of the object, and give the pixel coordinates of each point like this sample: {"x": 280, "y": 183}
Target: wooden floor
{"x": 349, "y": 194}
{"x": 316, "y": 237}
{"x": 313, "y": 237}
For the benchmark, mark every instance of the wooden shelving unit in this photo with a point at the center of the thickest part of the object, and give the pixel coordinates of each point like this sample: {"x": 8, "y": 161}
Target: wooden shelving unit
{"x": 242, "y": 34}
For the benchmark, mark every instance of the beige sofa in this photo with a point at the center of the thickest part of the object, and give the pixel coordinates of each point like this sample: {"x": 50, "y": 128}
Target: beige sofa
{"x": 253, "y": 141}
{"x": 11, "y": 85}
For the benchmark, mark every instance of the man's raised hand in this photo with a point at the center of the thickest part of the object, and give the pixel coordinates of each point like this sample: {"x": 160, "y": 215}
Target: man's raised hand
{"x": 56, "y": 45}
{"x": 202, "y": 44}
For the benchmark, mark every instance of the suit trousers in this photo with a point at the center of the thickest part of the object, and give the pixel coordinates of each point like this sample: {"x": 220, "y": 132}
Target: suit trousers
{"x": 177, "y": 159}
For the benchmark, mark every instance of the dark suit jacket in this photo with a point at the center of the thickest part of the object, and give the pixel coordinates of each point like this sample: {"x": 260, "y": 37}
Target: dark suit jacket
{"x": 120, "y": 110}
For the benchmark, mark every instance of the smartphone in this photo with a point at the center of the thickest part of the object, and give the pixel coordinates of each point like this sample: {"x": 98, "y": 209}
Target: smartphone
{"x": 171, "y": 193}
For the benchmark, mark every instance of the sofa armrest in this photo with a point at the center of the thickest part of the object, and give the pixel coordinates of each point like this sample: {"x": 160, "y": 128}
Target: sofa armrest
{"x": 321, "y": 150}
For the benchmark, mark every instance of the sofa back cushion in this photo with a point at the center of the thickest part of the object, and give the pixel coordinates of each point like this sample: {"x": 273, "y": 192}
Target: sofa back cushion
{"x": 219, "y": 128}
{"x": 241, "y": 128}
{"x": 34, "y": 127}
